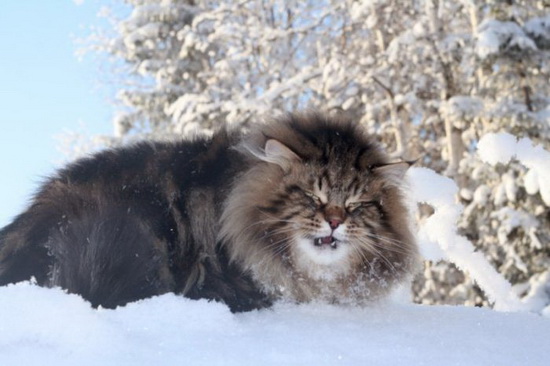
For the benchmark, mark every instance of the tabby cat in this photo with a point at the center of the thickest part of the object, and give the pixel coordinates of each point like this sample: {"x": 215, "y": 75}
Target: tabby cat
{"x": 307, "y": 207}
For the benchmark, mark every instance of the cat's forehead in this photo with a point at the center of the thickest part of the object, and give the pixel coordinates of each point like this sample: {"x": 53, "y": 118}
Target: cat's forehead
{"x": 332, "y": 179}
{"x": 320, "y": 138}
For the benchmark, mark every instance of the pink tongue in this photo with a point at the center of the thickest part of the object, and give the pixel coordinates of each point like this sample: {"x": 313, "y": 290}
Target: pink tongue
{"x": 327, "y": 240}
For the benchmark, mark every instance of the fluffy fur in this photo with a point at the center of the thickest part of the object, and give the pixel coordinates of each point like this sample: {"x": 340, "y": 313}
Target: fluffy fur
{"x": 303, "y": 208}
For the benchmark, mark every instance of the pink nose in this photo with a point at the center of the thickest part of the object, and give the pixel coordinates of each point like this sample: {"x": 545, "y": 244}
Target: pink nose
{"x": 335, "y": 216}
{"x": 334, "y": 223}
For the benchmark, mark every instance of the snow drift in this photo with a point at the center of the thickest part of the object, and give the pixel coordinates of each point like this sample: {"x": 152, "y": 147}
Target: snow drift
{"x": 48, "y": 327}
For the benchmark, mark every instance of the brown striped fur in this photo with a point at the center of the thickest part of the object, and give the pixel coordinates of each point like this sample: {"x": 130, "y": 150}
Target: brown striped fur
{"x": 307, "y": 207}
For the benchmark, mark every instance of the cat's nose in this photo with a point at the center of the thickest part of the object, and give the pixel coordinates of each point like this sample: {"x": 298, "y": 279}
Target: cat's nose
{"x": 335, "y": 216}
{"x": 334, "y": 223}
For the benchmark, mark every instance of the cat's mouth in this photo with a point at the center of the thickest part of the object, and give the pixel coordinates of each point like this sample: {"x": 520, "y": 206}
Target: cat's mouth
{"x": 330, "y": 241}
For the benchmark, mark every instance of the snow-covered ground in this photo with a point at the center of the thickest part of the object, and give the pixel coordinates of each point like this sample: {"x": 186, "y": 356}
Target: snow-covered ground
{"x": 48, "y": 327}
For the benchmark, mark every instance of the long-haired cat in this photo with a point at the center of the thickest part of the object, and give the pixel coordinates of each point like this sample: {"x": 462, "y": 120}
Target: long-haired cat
{"x": 307, "y": 207}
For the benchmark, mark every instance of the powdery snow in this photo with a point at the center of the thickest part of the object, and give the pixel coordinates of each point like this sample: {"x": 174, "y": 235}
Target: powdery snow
{"x": 48, "y": 327}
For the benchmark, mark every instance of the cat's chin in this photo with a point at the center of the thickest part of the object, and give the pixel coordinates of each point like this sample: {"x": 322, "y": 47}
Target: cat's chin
{"x": 323, "y": 257}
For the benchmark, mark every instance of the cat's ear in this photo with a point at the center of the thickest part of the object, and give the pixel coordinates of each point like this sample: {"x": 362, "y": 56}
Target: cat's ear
{"x": 395, "y": 172}
{"x": 278, "y": 153}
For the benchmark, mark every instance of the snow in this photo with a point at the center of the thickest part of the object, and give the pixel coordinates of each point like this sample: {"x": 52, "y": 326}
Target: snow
{"x": 46, "y": 326}
{"x": 482, "y": 194}
{"x": 495, "y": 148}
{"x": 437, "y": 235}
{"x": 510, "y": 219}
{"x": 462, "y": 107}
{"x": 438, "y": 238}
{"x": 539, "y": 29}
{"x": 494, "y": 35}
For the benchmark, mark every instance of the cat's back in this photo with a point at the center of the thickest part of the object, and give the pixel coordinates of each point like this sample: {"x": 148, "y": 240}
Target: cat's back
{"x": 145, "y": 199}
{"x": 139, "y": 163}
{"x": 144, "y": 171}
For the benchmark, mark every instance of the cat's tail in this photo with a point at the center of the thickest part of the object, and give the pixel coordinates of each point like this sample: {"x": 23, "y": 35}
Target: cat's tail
{"x": 109, "y": 258}
{"x": 22, "y": 252}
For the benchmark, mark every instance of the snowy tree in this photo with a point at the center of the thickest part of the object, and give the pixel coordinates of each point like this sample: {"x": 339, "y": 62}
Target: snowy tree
{"x": 158, "y": 62}
{"x": 506, "y": 215}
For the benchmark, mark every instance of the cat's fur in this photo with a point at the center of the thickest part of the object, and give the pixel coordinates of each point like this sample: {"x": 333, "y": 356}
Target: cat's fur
{"x": 306, "y": 207}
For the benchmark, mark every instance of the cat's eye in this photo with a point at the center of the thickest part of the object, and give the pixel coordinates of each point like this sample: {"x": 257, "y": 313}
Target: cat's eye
{"x": 354, "y": 206}
{"x": 316, "y": 200}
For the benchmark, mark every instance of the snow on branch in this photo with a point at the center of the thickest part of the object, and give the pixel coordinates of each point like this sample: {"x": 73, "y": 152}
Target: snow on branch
{"x": 495, "y": 36}
{"x": 539, "y": 29}
{"x": 496, "y": 148}
{"x": 437, "y": 235}
{"x": 438, "y": 238}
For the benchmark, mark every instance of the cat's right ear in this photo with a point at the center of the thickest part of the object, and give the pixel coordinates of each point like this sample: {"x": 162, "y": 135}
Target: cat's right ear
{"x": 278, "y": 153}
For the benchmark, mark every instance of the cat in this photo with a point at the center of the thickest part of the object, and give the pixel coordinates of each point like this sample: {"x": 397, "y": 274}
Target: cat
{"x": 306, "y": 207}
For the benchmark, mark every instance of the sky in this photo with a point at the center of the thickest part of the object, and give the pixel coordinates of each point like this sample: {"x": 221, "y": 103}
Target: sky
{"x": 45, "y": 92}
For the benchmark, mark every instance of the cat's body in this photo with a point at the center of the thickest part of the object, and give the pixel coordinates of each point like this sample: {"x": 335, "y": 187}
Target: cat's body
{"x": 303, "y": 208}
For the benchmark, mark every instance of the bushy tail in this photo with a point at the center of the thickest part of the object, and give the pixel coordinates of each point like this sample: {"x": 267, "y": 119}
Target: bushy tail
{"x": 108, "y": 258}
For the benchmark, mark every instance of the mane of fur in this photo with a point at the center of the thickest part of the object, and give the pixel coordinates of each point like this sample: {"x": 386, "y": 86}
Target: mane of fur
{"x": 317, "y": 140}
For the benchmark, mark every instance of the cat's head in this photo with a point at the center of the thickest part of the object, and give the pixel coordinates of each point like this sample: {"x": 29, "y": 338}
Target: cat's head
{"x": 322, "y": 200}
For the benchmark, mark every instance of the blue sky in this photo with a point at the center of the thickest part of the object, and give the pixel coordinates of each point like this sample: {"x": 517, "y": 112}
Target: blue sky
{"x": 44, "y": 92}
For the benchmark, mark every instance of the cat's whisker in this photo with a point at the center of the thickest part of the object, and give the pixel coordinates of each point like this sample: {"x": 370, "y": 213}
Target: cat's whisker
{"x": 394, "y": 245}
{"x": 269, "y": 223}
{"x": 360, "y": 253}
{"x": 275, "y": 220}
{"x": 281, "y": 249}
{"x": 397, "y": 246}
{"x": 385, "y": 238}
{"x": 369, "y": 246}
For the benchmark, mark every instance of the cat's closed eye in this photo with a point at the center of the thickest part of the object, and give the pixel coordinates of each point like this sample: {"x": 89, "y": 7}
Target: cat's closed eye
{"x": 356, "y": 206}
{"x": 314, "y": 199}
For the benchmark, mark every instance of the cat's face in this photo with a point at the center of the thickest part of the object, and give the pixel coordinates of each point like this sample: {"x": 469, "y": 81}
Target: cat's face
{"x": 329, "y": 220}
{"x": 319, "y": 202}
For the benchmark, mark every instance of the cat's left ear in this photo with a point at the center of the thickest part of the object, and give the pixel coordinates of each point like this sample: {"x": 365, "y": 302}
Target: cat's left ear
{"x": 278, "y": 153}
{"x": 395, "y": 172}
